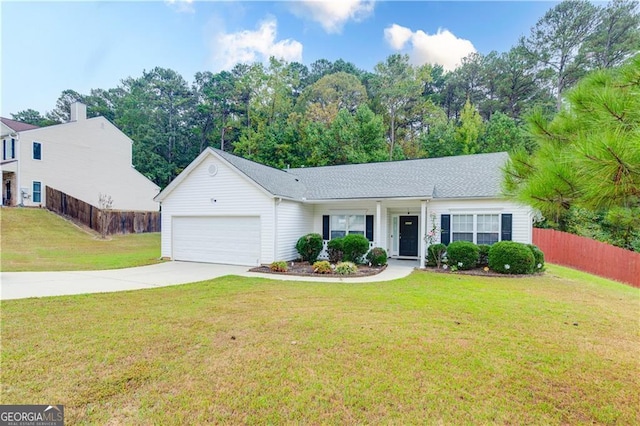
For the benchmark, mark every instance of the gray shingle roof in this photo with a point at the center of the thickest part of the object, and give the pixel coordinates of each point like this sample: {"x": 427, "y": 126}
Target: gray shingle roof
{"x": 277, "y": 182}
{"x": 467, "y": 176}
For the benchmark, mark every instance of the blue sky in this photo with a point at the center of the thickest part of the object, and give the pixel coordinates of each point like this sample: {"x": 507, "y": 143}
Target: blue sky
{"x": 48, "y": 47}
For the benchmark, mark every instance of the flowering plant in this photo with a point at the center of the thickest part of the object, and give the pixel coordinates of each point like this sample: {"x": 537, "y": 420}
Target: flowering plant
{"x": 432, "y": 235}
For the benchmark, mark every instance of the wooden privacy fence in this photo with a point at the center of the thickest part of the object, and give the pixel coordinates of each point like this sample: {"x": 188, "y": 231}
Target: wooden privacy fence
{"x": 589, "y": 255}
{"x": 118, "y": 221}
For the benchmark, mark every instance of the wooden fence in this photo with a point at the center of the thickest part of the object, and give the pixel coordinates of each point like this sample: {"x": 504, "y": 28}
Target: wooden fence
{"x": 117, "y": 221}
{"x": 589, "y": 255}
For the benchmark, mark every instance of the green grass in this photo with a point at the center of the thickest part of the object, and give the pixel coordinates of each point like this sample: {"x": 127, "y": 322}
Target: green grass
{"x": 427, "y": 349}
{"x": 38, "y": 240}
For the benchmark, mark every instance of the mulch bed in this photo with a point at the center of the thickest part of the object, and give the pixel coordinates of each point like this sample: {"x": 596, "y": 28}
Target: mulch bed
{"x": 478, "y": 272}
{"x": 304, "y": 269}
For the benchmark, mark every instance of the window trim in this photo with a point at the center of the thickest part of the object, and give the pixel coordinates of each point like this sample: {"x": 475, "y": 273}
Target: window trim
{"x": 475, "y": 232}
{"x": 39, "y": 192}
{"x": 347, "y": 221}
{"x": 39, "y": 145}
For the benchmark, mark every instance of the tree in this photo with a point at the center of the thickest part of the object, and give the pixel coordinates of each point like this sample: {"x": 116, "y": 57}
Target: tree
{"x": 556, "y": 41}
{"x": 31, "y": 116}
{"x": 469, "y": 130}
{"x": 155, "y": 113}
{"x": 322, "y": 100}
{"x": 501, "y": 133}
{"x": 62, "y": 112}
{"x": 397, "y": 87}
{"x": 589, "y": 154}
{"x": 616, "y": 35}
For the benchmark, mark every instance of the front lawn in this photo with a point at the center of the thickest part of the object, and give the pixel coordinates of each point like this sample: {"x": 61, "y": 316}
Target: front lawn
{"x": 38, "y": 240}
{"x": 430, "y": 348}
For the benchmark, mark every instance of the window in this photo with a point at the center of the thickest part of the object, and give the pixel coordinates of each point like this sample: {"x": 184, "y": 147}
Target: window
{"x": 479, "y": 229}
{"x": 488, "y": 227}
{"x": 342, "y": 225}
{"x": 37, "y": 151}
{"x": 37, "y": 192}
{"x": 462, "y": 227}
{"x": 8, "y": 149}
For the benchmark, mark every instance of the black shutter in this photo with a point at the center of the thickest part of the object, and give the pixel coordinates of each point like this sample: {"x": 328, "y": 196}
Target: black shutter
{"x": 369, "y": 227}
{"x": 445, "y": 225}
{"x": 325, "y": 228}
{"x": 13, "y": 148}
{"x": 4, "y": 149}
{"x": 507, "y": 220}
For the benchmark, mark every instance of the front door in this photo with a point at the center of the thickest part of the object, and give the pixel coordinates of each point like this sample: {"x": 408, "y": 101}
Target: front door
{"x": 408, "y": 236}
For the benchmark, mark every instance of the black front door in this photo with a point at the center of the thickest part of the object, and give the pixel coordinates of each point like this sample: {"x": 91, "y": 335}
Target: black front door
{"x": 408, "y": 235}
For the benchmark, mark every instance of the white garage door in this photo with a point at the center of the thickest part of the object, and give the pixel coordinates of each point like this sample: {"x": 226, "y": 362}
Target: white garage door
{"x": 230, "y": 240}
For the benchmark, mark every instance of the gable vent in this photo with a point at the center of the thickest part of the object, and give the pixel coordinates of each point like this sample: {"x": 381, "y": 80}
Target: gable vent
{"x": 213, "y": 169}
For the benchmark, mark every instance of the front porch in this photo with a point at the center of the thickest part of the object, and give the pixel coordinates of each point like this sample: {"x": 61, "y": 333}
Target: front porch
{"x": 398, "y": 226}
{"x": 9, "y": 187}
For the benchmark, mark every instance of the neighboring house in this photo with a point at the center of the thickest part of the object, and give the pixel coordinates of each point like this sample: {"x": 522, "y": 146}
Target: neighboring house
{"x": 82, "y": 158}
{"x": 225, "y": 209}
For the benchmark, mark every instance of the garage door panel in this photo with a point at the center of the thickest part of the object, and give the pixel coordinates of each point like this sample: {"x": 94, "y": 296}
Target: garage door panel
{"x": 231, "y": 240}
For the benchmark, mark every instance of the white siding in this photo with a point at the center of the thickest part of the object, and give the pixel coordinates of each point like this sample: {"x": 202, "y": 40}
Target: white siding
{"x": 83, "y": 159}
{"x": 521, "y": 226}
{"x": 294, "y": 220}
{"x": 353, "y": 207}
{"x": 227, "y": 193}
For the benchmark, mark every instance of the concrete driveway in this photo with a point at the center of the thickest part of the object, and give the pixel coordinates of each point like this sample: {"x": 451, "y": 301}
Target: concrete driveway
{"x": 21, "y": 285}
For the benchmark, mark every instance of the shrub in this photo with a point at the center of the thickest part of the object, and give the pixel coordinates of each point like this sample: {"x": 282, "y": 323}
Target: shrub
{"x": 322, "y": 267}
{"x": 462, "y": 255}
{"x": 538, "y": 258}
{"x": 509, "y": 257}
{"x": 377, "y": 256}
{"x": 335, "y": 250}
{"x": 354, "y": 247}
{"x": 346, "y": 268}
{"x": 279, "y": 266}
{"x": 435, "y": 254}
{"x": 483, "y": 254}
{"x": 309, "y": 247}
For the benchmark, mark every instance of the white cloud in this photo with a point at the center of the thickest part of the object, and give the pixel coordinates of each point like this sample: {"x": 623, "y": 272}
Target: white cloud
{"x": 254, "y": 46}
{"x": 442, "y": 48}
{"x": 397, "y": 36}
{"x": 182, "y": 6}
{"x": 333, "y": 14}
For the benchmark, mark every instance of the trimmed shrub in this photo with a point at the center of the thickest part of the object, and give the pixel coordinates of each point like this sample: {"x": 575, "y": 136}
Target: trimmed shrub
{"x": 279, "y": 266}
{"x": 346, "y": 268}
{"x": 538, "y": 258}
{"x": 462, "y": 255}
{"x": 436, "y": 254}
{"x": 509, "y": 257}
{"x": 354, "y": 247}
{"x": 322, "y": 267}
{"x": 309, "y": 247}
{"x": 377, "y": 256}
{"x": 483, "y": 254}
{"x": 335, "y": 250}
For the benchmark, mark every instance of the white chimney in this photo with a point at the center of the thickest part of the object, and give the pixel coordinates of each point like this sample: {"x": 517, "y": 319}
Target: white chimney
{"x": 78, "y": 111}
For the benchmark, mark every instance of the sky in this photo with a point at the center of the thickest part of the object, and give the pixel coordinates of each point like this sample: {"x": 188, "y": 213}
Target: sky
{"x": 50, "y": 46}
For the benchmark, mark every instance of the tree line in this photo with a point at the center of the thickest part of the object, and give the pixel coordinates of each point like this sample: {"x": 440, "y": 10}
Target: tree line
{"x": 291, "y": 115}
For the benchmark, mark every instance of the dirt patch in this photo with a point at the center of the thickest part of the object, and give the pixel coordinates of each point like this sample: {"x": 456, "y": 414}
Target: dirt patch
{"x": 304, "y": 269}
